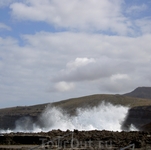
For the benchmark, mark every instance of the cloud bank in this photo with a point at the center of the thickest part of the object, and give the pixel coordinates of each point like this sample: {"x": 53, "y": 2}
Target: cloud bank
{"x": 88, "y": 47}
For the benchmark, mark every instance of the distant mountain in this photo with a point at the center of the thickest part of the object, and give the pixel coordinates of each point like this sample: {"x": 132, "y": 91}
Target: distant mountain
{"x": 140, "y": 92}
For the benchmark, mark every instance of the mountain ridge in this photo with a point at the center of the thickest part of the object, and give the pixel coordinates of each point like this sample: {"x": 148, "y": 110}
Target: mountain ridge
{"x": 140, "y": 92}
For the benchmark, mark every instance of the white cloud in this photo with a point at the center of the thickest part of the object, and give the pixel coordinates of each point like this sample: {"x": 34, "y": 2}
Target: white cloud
{"x": 144, "y": 25}
{"x": 103, "y": 16}
{"x": 91, "y": 52}
{"x": 4, "y": 3}
{"x": 80, "y": 62}
{"x": 95, "y": 15}
{"x": 23, "y": 72}
{"x": 55, "y": 61}
{"x": 103, "y": 68}
{"x": 116, "y": 77}
{"x": 84, "y": 59}
{"x": 4, "y": 27}
{"x": 64, "y": 86}
{"x": 137, "y": 8}
{"x": 94, "y": 57}
{"x": 85, "y": 45}
{"x": 91, "y": 71}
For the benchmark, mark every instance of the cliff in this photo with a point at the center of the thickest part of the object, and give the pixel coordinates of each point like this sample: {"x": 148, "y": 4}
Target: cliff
{"x": 139, "y": 117}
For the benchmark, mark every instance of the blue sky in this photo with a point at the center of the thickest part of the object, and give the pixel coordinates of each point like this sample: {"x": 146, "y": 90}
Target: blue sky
{"x": 52, "y": 50}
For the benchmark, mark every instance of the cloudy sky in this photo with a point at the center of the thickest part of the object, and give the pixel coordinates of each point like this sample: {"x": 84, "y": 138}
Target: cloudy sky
{"x": 52, "y": 50}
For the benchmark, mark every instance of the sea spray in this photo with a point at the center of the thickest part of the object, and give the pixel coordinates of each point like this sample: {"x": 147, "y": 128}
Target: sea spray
{"x": 103, "y": 117}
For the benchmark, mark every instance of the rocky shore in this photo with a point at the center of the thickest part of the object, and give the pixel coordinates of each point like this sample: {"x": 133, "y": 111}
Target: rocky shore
{"x": 95, "y": 139}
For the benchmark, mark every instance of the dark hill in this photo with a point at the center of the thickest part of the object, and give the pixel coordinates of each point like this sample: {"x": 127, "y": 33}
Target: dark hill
{"x": 140, "y": 92}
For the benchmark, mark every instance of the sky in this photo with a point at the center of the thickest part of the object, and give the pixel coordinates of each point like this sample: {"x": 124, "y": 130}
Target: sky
{"x": 51, "y": 50}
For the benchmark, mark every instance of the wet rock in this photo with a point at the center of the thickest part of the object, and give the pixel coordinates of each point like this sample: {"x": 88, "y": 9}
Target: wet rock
{"x": 94, "y": 139}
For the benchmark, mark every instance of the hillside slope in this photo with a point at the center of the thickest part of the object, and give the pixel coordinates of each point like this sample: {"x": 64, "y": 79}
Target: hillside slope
{"x": 70, "y": 105}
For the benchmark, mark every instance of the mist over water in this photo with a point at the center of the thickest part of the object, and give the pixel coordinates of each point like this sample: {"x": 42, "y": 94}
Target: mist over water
{"x": 104, "y": 117}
